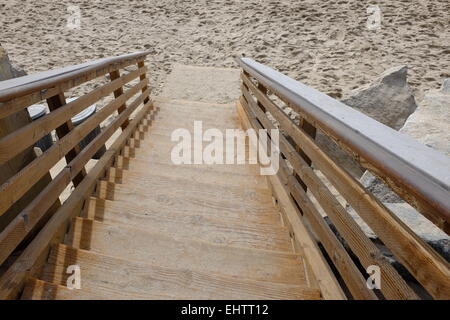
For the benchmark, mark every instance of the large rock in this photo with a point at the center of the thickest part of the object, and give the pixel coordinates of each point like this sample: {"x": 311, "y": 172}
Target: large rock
{"x": 388, "y": 100}
{"x": 8, "y": 70}
{"x": 429, "y": 124}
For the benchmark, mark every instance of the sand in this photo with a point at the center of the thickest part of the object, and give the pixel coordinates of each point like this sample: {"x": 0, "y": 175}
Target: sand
{"x": 325, "y": 44}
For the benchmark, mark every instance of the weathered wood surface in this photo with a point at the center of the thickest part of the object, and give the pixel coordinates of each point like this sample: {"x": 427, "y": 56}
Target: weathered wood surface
{"x": 217, "y": 223}
{"x": 395, "y": 287}
{"x": 166, "y": 249}
{"x": 13, "y": 279}
{"x": 26, "y": 136}
{"x": 419, "y": 174}
{"x": 137, "y": 280}
{"x": 299, "y": 148}
{"x": 324, "y": 277}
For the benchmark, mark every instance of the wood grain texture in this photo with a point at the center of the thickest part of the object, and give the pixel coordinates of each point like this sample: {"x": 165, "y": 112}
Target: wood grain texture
{"x": 327, "y": 282}
{"x": 168, "y": 249}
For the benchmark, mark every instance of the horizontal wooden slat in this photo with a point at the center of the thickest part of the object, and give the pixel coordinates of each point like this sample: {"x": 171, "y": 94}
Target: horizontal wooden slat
{"x": 430, "y": 269}
{"x": 417, "y": 173}
{"x": 13, "y": 279}
{"x": 17, "y": 185}
{"x": 17, "y": 141}
{"x": 20, "y": 226}
{"x": 16, "y": 104}
{"x": 394, "y": 286}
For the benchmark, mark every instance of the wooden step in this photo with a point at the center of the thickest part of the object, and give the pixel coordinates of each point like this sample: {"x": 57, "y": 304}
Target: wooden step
{"x": 162, "y": 147}
{"x": 144, "y": 214}
{"x": 196, "y": 174}
{"x": 164, "y": 191}
{"x": 263, "y": 237}
{"x": 165, "y": 103}
{"x": 36, "y": 289}
{"x": 167, "y": 249}
{"x": 136, "y": 280}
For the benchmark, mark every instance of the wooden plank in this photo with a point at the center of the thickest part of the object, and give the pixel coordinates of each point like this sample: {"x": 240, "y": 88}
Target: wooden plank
{"x": 141, "y": 64}
{"x": 17, "y": 185}
{"x": 16, "y": 104}
{"x": 26, "y": 136}
{"x": 223, "y": 230}
{"x": 17, "y": 230}
{"x": 36, "y": 289}
{"x": 353, "y": 278}
{"x": 394, "y": 286}
{"x": 165, "y": 250}
{"x": 195, "y": 200}
{"x": 329, "y": 286}
{"x": 337, "y": 253}
{"x": 137, "y": 279}
{"x": 139, "y": 167}
{"x": 54, "y": 103}
{"x": 433, "y": 273}
{"x": 135, "y": 214}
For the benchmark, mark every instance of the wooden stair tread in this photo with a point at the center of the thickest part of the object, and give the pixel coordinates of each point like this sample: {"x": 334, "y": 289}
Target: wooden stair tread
{"x": 151, "y": 178}
{"x": 133, "y": 213}
{"x": 102, "y": 274}
{"x": 168, "y": 250}
{"x": 157, "y": 148}
{"x": 259, "y": 236}
{"x": 195, "y": 174}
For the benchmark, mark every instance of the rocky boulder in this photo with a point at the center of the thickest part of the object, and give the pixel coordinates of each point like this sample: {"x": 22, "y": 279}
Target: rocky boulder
{"x": 7, "y": 70}
{"x": 388, "y": 99}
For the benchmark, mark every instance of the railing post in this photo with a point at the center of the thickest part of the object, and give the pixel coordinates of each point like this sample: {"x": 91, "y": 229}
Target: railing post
{"x": 311, "y": 131}
{"x": 54, "y": 103}
{"x": 117, "y": 93}
{"x": 263, "y": 90}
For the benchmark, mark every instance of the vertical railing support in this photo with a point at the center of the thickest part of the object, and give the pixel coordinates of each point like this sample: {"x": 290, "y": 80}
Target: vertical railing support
{"x": 54, "y": 103}
{"x": 141, "y": 64}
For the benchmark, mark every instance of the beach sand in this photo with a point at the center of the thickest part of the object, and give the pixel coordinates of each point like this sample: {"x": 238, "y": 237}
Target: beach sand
{"x": 325, "y": 44}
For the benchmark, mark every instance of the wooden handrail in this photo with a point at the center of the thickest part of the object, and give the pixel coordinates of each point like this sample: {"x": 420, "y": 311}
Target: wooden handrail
{"x": 417, "y": 173}
{"x": 19, "y": 93}
{"x": 297, "y": 145}
{"x": 21, "y": 86}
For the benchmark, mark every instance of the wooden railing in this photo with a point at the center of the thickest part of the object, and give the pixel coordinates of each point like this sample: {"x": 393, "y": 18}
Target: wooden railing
{"x": 21, "y": 257}
{"x": 416, "y": 173}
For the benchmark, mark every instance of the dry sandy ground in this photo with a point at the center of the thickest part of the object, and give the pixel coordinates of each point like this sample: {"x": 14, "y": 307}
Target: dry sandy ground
{"x": 325, "y": 44}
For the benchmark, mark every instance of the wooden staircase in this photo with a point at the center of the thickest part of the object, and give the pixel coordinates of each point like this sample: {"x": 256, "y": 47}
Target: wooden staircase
{"x": 156, "y": 230}
{"x": 137, "y": 226}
